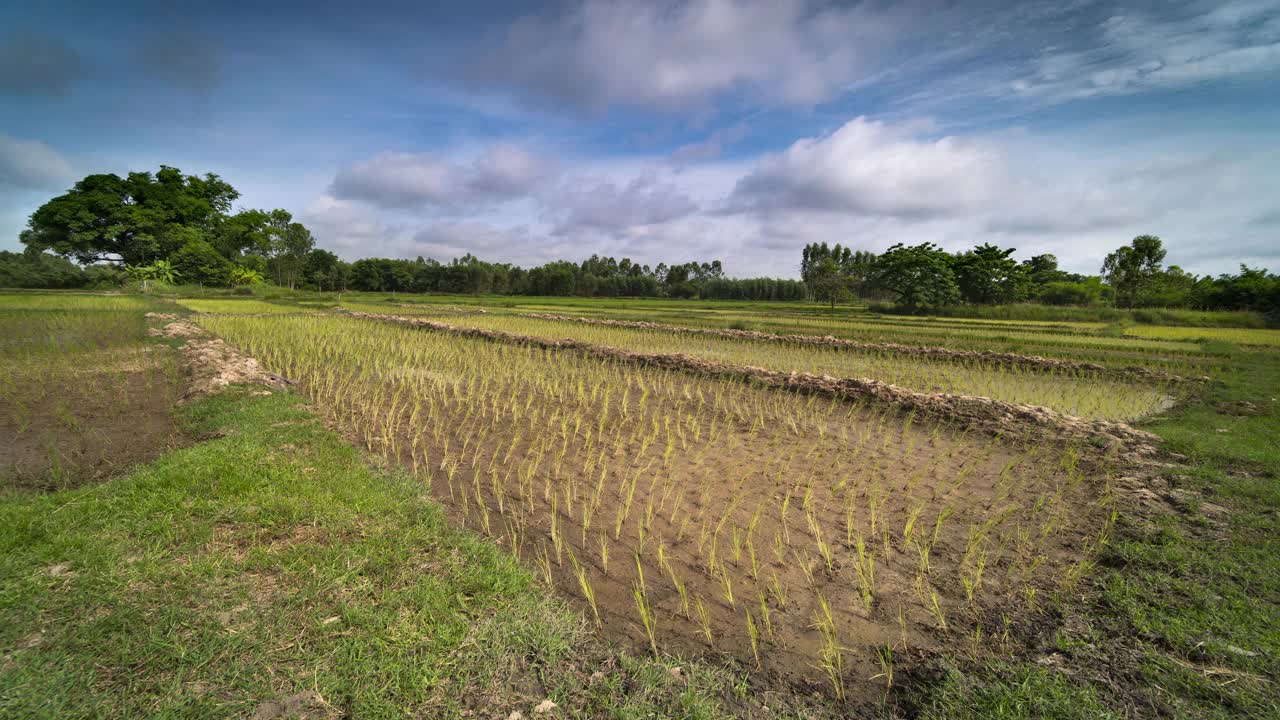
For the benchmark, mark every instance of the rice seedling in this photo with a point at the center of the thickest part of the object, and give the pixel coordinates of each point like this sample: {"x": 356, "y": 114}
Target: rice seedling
{"x": 830, "y": 654}
{"x": 754, "y": 635}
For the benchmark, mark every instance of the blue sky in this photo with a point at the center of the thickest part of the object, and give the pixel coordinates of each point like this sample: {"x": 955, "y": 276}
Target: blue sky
{"x": 728, "y": 129}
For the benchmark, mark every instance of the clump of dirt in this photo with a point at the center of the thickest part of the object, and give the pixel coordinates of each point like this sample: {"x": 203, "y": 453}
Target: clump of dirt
{"x": 1036, "y": 362}
{"x": 161, "y": 316}
{"x": 995, "y": 416}
{"x": 213, "y": 364}
{"x": 308, "y": 705}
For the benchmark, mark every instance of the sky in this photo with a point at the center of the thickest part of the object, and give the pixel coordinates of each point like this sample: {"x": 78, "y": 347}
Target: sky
{"x": 737, "y": 130}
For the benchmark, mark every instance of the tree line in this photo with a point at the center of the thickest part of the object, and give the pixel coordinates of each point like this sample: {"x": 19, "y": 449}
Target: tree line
{"x": 925, "y": 275}
{"x": 170, "y": 228}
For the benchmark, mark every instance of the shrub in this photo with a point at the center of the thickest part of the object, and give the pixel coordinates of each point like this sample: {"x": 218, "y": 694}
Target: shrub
{"x": 200, "y": 263}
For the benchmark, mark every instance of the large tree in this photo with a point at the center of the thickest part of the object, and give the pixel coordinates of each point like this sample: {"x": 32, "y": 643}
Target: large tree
{"x": 288, "y": 245}
{"x": 988, "y": 275}
{"x": 835, "y": 274}
{"x": 830, "y": 282}
{"x": 131, "y": 220}
{"x": 1132, "y": 270}
{"x": 919, "y": 275}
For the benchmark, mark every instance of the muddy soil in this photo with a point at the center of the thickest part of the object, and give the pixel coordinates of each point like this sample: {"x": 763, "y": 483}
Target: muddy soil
{"x": 90, "y": 429}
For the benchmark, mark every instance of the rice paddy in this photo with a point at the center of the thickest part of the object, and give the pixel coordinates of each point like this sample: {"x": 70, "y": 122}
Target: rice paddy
{"x": 247, "y": 306}
{"x": 700, "y": 514}
{"x": 686, "y": 513}
{"x": 81, "y": 391}
{"x": 1072, "y": 392}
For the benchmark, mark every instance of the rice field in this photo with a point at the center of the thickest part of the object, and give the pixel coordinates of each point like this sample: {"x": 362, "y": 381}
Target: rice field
{"x": 1076, "y": 393}
{"x": 248, "y": 306}
{"x": 1236, "y": 336}
{"x": 81, "y": 391}
{"x": 73, "y": 302}
{"x": 1065, "y": 340}
{"x": 808, "y": 537}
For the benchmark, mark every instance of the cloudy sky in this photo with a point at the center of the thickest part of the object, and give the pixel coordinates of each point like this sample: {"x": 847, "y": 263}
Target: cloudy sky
{"x": 731, "y": 129}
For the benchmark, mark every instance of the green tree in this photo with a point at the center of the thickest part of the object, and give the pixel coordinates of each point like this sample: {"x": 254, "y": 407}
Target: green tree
{"x": 241, "y": 275}
{"x": 919, "y": 276}
{"x": 131, "y": 220}
{"x": 319, "y": 269}
{"x": 988, "y": 275}
{"x": 35, "y": 269}
{"x": 288, "y": 245}
{"x": 1131, "y": 270}
{"x": 830, "y": 282}
{"x": 837, "y": 274}
{"x": 244, "y": 232}
{"x": 201, "y": 263}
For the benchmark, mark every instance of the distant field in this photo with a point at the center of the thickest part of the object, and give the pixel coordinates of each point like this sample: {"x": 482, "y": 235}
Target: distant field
{"x": 247, "y": 306}
{"x": 1238, "y": 336}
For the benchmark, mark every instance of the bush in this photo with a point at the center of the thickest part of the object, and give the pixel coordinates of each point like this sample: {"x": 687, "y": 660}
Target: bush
{"x": 200, "y": 263}
{"x": 1070, "y": 293}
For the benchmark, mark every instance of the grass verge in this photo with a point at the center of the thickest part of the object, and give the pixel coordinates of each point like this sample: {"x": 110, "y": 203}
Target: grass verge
{"x": 271, "y": 570}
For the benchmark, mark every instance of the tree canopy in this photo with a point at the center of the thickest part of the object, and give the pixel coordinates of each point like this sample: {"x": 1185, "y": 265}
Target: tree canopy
{"x": 919, "y": 275}
{"x": 132, "y": 220}
{"x": 144, "y": 218}
{"x": 1133, "y": 269}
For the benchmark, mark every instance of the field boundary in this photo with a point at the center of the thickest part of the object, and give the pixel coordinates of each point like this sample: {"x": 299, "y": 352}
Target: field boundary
{"x": 995, "y": 416}
{"x": 211, "y": 363}
{"x": 1036, "y": 362}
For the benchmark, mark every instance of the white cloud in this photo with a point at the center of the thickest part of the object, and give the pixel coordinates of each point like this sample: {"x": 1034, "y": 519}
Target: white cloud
{"x": 32, "y": 165}
{"x": 351, "y": 229}
{"x": 1136, "y": 52}
{"x": 868, "y": 183}
{"x": 605, "y": 206}
{"x": 420, "y": 180}
{"x": 868, "y": 167}
{"x": 676, "y": 54}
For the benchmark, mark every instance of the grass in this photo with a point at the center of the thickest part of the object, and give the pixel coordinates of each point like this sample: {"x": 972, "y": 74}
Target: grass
{"x": 26, "y": 300}
{"x": 1011, "y": 693}
{"x": 273, "y": 561}
{"x": 545, "y": 450}
{"x": 82, "y": 391}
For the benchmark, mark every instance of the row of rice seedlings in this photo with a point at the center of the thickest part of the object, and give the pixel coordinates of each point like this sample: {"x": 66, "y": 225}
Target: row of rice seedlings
{"x": 569, "y": 456}
{"x": 1078, "y": 393}
{"x": 1069, "y": 341}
